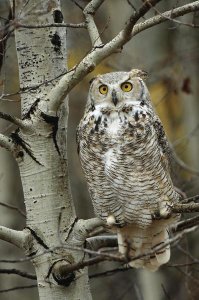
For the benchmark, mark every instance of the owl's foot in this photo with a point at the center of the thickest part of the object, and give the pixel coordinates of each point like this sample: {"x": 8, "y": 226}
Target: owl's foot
{"x": 111, "y": 220}
{"x": 164, "y": 212}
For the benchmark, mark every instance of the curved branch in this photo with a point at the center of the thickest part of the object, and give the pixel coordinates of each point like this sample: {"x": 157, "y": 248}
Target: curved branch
{"x": 12, "y": 236}
{"x": 97, "y": 242}
{"x": 166, "y": 16}
{"x": 97, "y": 54}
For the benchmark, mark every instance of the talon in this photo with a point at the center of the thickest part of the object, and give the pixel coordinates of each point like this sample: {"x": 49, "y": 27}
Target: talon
{"x": 111, "y": 220}
{"x": 165, "y": 209}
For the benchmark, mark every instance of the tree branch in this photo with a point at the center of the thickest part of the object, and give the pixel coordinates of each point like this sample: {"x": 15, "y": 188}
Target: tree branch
{"x": 168, "y": 15}
{"x": 185, "y": 208}
{"x": 67, "y": 25}
{"x": 97, "y": 242}
{"x": 12, "y": 236}
{"x": 89, "y": 12}
{"x": 14, "y": 208}
{"x": 7, "y": 143}
{"x": 68, "y": 81}
{"x": 186, "y": 224}
{"x": 20, "y": 123}
{"x": 19, "y": 288}
{"x": 18, "y": 272}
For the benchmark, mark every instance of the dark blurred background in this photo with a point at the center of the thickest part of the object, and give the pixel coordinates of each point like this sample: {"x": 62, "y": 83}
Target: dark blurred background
{"x": 170, "y": 54}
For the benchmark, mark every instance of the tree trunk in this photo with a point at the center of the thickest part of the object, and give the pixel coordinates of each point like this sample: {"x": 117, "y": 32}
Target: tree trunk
{"x": 42, "y": 153}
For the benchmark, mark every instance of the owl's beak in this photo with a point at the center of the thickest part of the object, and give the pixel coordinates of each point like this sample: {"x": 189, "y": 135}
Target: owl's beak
{"x": 114, "y": 97}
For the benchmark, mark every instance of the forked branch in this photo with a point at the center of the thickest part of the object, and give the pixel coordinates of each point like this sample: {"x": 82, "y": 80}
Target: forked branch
{"x": 97, "y": 54}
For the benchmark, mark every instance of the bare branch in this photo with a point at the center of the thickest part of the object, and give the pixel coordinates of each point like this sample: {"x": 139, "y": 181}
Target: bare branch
{"x": 176, "y": 21}
{"x": 7, "y": 143}
{"x": 170, "y": 14}
{"x": 98, "y": 242}
{"x": 14, "y": 208}
{"x": 20, "y": 123}
{"x": 110, "y": 272}
{"x": 186, "y": 224}
{"x": 89, "y": 13}
{"x": 67, "y": 82}
{"x": 191, "y": 199}
{"x": 67, "y": 25}
{"x": 18, "y": 272}
{"x": 19, "y": 288}
{"x": 12, "y": 236}
{"x": 185, "y": 208}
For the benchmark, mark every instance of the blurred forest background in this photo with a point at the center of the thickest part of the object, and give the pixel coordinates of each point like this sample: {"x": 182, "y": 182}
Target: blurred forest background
{"x": 170, "y": 54}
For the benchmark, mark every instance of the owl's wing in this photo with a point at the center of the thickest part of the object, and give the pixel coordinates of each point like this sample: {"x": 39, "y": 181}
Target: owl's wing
{"x": 168, "y": 153}
{"x": 162, "y": 140}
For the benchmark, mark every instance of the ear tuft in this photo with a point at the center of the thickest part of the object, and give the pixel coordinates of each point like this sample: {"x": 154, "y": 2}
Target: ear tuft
{"x": 92, "y": 79}
{"x": 139, "y": 73}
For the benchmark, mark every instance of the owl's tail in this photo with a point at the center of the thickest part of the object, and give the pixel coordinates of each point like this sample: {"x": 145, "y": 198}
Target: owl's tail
{"x": 147, "y": 247}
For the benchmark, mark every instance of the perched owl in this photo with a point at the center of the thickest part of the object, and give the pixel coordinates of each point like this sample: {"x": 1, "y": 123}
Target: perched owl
{"x": 125, "y": 157}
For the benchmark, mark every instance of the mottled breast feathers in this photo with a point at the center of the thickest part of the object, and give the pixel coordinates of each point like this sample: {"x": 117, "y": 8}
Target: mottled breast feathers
{"x": 125, "y": 156}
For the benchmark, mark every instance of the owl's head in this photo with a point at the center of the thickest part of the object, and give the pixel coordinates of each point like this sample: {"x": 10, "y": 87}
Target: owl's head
{"x": 114, "y": 90}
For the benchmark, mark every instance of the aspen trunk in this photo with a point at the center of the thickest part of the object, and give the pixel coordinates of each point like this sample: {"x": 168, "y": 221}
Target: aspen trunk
{"x": 42, "y": 158}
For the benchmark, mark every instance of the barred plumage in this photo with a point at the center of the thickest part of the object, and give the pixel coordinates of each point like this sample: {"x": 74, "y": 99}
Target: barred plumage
{"x": 125, "y": 156}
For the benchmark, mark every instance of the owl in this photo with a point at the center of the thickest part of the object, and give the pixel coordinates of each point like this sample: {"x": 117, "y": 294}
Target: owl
{"x": 125, "y": 156}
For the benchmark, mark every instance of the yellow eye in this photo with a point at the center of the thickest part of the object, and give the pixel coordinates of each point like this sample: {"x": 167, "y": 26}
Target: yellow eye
{"x": 103, "y": 89}
{"x": 126, "y": 86}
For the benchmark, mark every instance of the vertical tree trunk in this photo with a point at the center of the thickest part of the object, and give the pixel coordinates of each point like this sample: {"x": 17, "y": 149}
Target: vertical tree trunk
{"x": 42, "y": 157}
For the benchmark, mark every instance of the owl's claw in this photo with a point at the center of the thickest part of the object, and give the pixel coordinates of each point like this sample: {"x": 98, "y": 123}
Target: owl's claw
{"x": 111, "y": 220}
{"x": 164, "y": 212}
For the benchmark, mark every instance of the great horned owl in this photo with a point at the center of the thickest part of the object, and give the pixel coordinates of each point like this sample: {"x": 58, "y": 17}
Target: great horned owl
{"x": 125, "y": 157}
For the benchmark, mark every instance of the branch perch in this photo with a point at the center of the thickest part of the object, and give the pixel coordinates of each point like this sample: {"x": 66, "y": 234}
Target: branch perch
{"x": 12, "y": 236}
{"x": 18, "y": 122}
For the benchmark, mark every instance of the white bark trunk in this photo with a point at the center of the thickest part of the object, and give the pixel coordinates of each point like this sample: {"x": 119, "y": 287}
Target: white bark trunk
{"x": 41, "y": 158}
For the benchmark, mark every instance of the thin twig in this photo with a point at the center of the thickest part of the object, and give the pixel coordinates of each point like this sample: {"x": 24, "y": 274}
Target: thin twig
{"x": 14, "y": 208}
{"x": 18, "y": 288}
{"x": 186, "y": 224}
{"x": 18, "y": 272}
{"x": 109, "y": 272}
